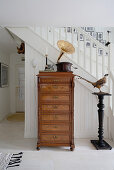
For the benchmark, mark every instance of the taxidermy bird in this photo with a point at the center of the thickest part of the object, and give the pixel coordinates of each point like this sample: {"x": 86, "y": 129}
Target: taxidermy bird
{"x": 98, "y": 84}
{"x": 21, "y": 50}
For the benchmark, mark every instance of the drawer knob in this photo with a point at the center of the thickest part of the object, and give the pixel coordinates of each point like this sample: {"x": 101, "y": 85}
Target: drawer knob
{"x": 55, "y": 137}
{"x": 55, "y": 86}
{"x": 55, "y": 106}
{"x": 55, "y": 97}
{"x": 55, "y": 126}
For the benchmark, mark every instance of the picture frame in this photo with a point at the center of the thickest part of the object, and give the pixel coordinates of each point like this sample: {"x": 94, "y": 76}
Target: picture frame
{"x": 83, "y": 28}
{"x": 89, "y": 29}
{"x": 99, "y": 36}
{"x": 3, "y": 75}
{"x": 100, "y": 51}
{"x": 87, "y": 43}
{"x": 93, "y": 34}
{"x": 103, "y": 42}
{"x": 69, "y": 29}
{"x": 75, "y": 31}
{"x": 94, "y": 45}
{"x": 81, "y": 37}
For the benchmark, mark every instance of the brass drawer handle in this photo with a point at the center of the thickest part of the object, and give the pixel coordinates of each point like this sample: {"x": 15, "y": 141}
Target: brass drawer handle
{"x": 55, "y": 137}
{"x": 55, "y": 97}
{"x": 55, "y": 86}
{"x": 55, "y": 116}
{"x": 55, "y": 106}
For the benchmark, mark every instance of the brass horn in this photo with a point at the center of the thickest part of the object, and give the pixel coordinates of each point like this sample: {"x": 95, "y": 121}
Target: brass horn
{"x": 65, "y": 47}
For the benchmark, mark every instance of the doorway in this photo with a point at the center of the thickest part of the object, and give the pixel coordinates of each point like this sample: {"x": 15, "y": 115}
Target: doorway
{"x": 20, "y": 88}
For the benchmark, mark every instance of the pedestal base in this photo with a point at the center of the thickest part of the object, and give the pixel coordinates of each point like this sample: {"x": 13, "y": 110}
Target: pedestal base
{"x": 98, "y": 147}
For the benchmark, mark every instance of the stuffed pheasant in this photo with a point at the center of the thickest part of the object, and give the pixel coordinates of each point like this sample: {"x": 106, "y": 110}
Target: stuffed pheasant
{"x": 98, "y": 84}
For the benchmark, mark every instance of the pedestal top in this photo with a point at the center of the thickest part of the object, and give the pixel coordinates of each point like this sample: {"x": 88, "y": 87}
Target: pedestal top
{"x": 101, "y": 94}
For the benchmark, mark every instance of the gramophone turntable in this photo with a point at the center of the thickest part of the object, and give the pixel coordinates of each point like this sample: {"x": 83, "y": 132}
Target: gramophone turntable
{"x": 68, "y": 48}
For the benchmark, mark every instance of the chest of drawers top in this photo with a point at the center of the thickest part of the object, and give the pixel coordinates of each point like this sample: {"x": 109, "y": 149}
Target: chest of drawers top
{"x": 55, "y": 77}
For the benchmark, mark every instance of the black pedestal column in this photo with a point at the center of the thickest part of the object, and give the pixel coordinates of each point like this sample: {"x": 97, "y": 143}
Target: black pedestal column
{"x": 101, "y": 144}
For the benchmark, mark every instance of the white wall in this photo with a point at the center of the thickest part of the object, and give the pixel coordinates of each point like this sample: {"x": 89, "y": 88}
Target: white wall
{"x": 15, "y": 60}
{"x": 57, "y": 12}
{"x": 112, "y": 127}
{"x": 85, "y": 111}
{"x": 4, "y": 92}
{"x": 31, "y": 90}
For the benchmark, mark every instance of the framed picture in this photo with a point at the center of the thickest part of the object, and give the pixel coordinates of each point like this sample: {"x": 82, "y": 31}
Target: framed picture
{"x": 81, "y": 37}
{"x": 103, "y": 42}
{"x": 90, "y": 29}
{"x": 99, "y": 36}
{"x": 87, "y": 43}
{"x": 100, "y": 51}
{"x": 93, "y": 34}
{"x": 94, "y": 45}
{"x": 68, "y": 29}
{"x": 3, "y": 75}
{"x": 74, "y": 30}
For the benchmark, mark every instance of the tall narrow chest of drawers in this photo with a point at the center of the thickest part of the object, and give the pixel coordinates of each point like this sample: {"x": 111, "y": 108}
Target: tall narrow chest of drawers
{"x": 55, "y": 109}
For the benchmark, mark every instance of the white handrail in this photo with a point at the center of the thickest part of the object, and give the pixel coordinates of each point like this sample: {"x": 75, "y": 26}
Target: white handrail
{"x": 79, "y": 57}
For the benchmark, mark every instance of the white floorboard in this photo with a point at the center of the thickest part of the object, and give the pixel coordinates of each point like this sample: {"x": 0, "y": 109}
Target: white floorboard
{"x": 84, "y": 157}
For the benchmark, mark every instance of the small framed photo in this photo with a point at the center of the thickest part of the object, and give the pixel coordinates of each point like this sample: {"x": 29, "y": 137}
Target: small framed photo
{"x": 106, "y": 53}
{"x": 69, "y": 29}
{"x": 81, "y": 37}
{"x": 94, "y": 45}
{"x": 74, "y": 30}
{"x": 87, "y": 43}
{"x": 100, "y": 51}
{"x": 90, "y": 29}
{"x": 103, "y": 42}
{"x": 3, "y": 75}
{"x": 99, "y": 36}
{"x": 93, "y": 34}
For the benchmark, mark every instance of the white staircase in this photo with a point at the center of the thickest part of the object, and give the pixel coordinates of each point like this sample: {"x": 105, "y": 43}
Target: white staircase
{"x": 87, "y": 52}
{"x": 87, "y": 49}
{"x": 90, "y": 65}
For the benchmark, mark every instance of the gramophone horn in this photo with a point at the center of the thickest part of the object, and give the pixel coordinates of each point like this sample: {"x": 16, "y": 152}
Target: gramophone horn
{"x": 65, "y": 47}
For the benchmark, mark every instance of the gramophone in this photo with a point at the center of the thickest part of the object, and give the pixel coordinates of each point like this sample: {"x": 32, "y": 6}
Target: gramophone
{"x": 68, "y": 48}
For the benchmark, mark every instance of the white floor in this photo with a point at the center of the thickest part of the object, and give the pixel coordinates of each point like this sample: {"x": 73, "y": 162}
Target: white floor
{"x": 84, "y": 157}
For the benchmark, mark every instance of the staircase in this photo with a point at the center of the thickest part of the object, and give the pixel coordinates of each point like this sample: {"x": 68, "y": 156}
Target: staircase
{"x": 90, "y": 65}
{"x": 91, "y": 55}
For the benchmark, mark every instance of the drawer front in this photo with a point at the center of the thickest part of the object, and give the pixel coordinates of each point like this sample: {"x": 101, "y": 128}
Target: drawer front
{"x": 53, "y": 98}
{"x": 55, "y": 117}
{"x": 55, "y": 80}
{"x": 50, "y": 107}
{"x": 55, "y": 127}
{"x": 54, "y": 88}
{"x": 55, "y": 138}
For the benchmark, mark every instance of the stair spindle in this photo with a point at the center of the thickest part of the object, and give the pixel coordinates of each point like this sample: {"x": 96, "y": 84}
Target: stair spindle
{"x": 53, "y": 36}
{"x": 78, "y": 48}
{"x": 84, "y": 51}
{"x": 90, "y": 56}
{"x": 96, "y": 61}
{"x": 103, "y": 58}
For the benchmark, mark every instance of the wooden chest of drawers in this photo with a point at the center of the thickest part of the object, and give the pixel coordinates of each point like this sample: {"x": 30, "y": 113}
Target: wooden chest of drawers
{"x": 55, "y": 109}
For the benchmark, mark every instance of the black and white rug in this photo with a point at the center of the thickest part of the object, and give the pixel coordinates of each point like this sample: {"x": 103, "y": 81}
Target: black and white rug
{"x": 25, "y": 161}
{"x": 8, "y": 160}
